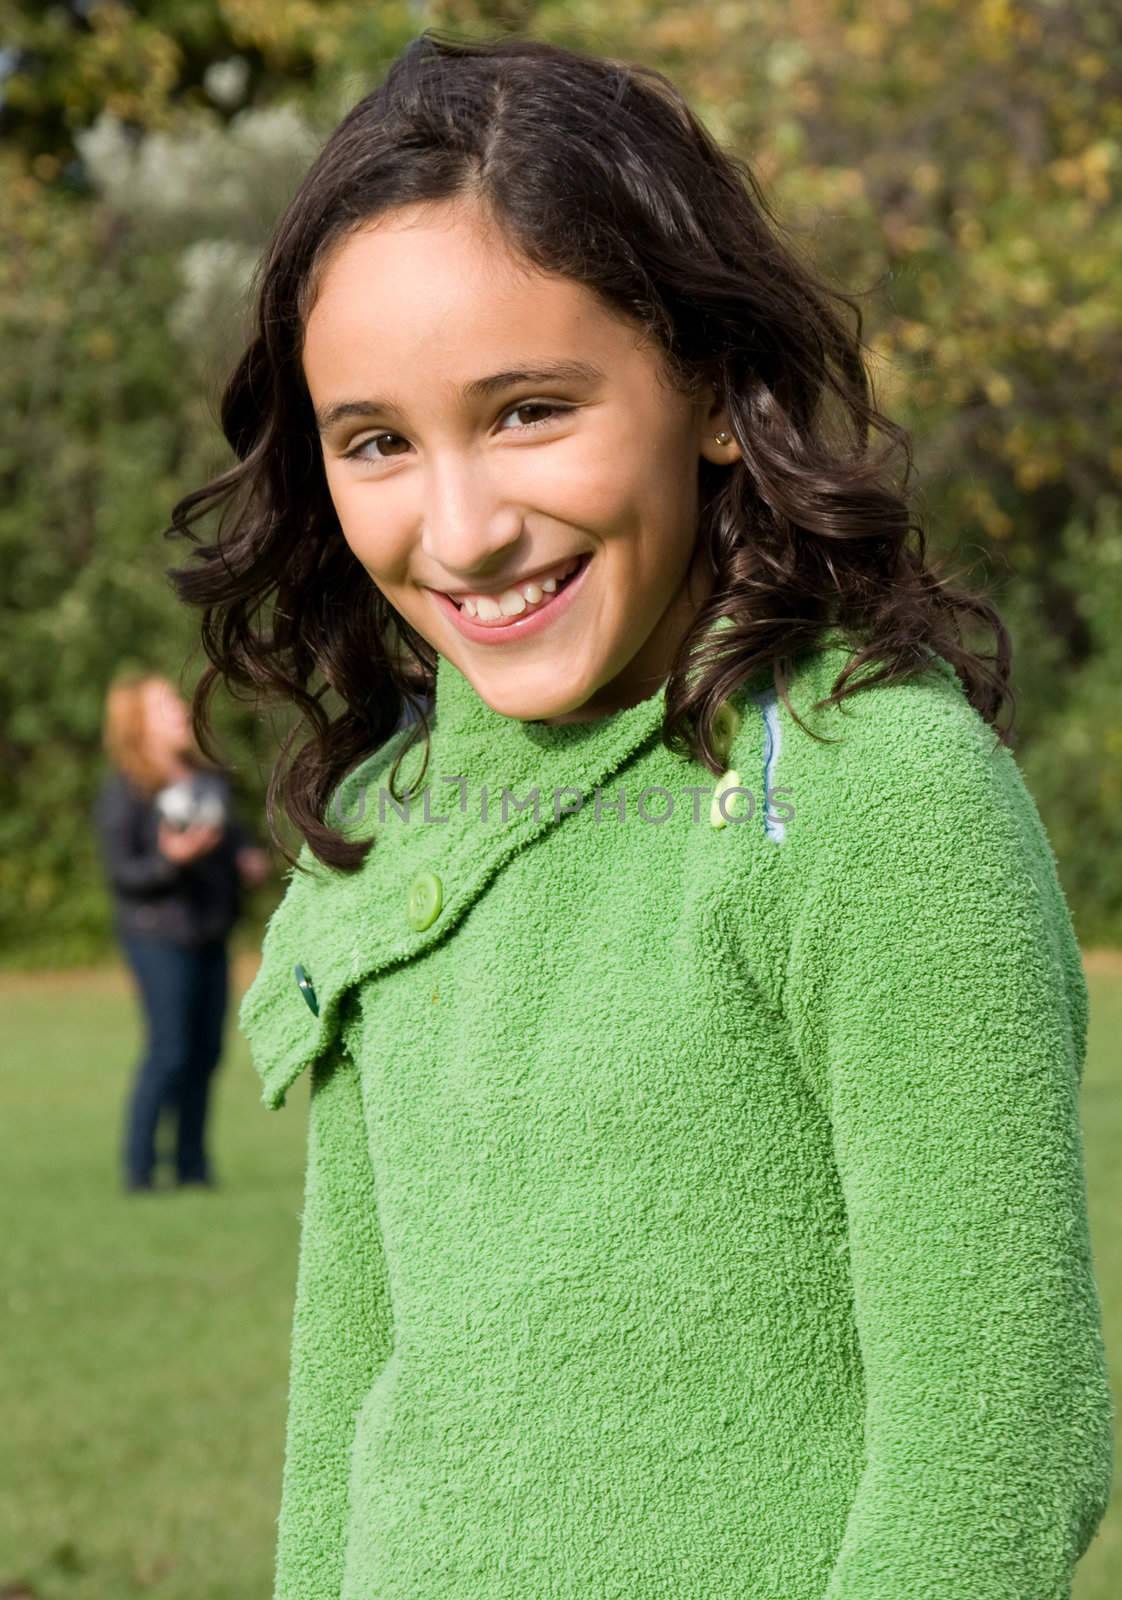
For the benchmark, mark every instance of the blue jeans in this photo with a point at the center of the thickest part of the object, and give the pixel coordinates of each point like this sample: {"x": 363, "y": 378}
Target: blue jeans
{"x": 184, "y": 994}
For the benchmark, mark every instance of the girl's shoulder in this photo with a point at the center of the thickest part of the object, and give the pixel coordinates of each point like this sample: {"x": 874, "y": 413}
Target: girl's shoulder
{"x": 907, "y": 822}
{"x": 349, "y": 809}
{"x": 918, "y": 739}
{"x": 116, "y": 795}
{"x": 903, "y": 778}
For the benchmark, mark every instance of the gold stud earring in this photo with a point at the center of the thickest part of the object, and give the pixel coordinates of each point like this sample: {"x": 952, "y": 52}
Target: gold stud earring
{"x": 723, "y": 437}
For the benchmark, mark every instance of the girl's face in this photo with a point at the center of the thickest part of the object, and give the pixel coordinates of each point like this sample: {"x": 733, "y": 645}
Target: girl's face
{"x": 485, "y": 427}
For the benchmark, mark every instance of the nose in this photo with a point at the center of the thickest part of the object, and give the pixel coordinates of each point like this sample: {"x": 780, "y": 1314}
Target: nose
{"x": 468, "y": 528}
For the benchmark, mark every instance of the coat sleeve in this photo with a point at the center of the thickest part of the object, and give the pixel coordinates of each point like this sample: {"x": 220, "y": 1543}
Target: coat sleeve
{"x": 936, "y": 996}
{"x": 130, "y": 869}
{"x": 240, "y": 837}
{"x": 341, "y": 1334}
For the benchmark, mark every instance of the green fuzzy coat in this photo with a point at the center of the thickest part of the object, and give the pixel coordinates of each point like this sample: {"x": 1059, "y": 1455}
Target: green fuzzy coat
{"x": 695, "y": 1208}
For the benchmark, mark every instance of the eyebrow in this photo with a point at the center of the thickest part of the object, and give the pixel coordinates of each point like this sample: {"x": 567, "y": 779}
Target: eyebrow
{"x": 477, "y": 389}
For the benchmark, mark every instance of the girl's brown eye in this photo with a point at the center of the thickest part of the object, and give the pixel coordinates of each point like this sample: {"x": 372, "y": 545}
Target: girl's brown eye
{"x": 356, "y": 452}
{"x": 538, "y": 405}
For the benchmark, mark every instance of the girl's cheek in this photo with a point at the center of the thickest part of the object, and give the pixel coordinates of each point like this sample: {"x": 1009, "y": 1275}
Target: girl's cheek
{"x": 369, "y": 534}
{"x": 599, "y": 493}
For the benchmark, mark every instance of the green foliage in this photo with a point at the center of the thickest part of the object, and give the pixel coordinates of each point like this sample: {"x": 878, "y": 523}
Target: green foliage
{"x": 1072, "y": 757}
{"x": 957, "y": 168}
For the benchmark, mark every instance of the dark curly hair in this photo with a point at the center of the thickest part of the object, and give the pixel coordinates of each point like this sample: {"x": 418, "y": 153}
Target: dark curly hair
{"x": 630, "y": 196}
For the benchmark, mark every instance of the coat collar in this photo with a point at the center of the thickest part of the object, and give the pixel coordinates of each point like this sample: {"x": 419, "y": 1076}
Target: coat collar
{"x": 342, "y": 928}
{"x": 447, "y": 837}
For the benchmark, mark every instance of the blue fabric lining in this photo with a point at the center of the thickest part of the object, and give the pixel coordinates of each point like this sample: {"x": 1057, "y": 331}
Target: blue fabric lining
{"x": 769, "y": 708}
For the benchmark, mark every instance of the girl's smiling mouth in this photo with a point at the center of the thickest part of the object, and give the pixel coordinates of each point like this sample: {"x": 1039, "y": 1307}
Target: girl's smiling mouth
{"x": 518, "y": 612}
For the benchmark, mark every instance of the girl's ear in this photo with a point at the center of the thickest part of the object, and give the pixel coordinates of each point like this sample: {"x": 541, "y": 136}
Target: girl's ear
{"x": 717, "y": 443}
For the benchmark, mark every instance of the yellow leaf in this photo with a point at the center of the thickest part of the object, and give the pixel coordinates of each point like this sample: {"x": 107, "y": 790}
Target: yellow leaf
{"x": 998, "y": 389}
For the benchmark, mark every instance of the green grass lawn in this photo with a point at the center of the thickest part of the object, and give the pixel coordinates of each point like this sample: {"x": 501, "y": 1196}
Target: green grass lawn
{"x": 146, "y": 1337}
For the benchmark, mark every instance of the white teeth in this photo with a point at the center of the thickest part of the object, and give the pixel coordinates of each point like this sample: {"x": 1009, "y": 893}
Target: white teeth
{"x": 514, "y": 601}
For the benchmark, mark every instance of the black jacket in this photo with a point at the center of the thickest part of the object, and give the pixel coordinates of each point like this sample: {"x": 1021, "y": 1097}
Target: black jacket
{"x": 189, "y": 903}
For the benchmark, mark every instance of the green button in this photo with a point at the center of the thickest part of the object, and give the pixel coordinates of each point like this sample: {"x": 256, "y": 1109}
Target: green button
{"x": 726, "y": 726}
{"x": 425, "y": 900}
{"x": 304, "y": 984}
{"x": 717, "y": 815}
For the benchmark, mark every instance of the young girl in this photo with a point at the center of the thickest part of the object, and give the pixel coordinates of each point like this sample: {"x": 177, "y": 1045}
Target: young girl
{"x": 694, "y": 1021}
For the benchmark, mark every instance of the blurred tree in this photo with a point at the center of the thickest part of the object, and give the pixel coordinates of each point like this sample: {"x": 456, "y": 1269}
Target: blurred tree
{"x": 122, "y": 291}
{"x": 955, "y": 167}
{"x": 142, "y": 62}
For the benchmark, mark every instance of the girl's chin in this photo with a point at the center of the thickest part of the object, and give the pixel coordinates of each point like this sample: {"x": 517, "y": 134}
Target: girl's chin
{"x": 525, "y": 700}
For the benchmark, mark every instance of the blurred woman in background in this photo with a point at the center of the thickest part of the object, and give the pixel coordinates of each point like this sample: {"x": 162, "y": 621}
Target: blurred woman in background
{"x": 176, "y": 858}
